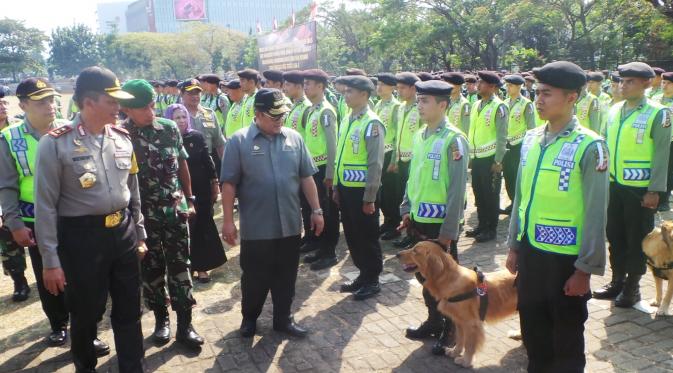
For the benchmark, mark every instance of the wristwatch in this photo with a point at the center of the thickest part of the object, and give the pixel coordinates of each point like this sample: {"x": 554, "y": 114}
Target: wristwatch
{"x": 317, "y": 211}
{"x": 191, "y": 199}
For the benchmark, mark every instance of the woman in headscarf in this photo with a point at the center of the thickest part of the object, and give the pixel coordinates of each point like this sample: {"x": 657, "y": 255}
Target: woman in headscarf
{"x": 207, "y": 251}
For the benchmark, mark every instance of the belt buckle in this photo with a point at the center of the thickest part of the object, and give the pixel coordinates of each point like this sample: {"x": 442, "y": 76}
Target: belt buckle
{"x": 113, "y": 219}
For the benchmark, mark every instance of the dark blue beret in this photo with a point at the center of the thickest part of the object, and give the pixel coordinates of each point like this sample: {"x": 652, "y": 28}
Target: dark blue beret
{"x": 407, "y": 78}
{"x": 636, "y": 70}
{"x": 454, "y": 78}
{"x": 561, "y": 74}
{"x": 423, "y": 76}
{"x": 514, "y": 79}
{"x": 490, "y": 77}
{"x": 294, "y": 76}
{"x": 595, "y": 76}
{"x": 359, "y": 82}
{"x": 233, "y": 84}
{"x": 667, "y": 76}
{"x": 387, "y": 79}
{"x": 273, "y": 75}
{"x": 317, "y": 75}
{"x": 434, "y": 88}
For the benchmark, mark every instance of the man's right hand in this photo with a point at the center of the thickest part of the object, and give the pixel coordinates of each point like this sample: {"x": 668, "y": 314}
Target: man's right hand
{"x": 392, "y": 167}
{"x": 54, "y": 280}
{"x": 335, "y": 197}
{"x": 511, "y": 261}
{"x": 24, "y": 237}
{"x": 406, "y": 222}
{"x": 229, "y": 233}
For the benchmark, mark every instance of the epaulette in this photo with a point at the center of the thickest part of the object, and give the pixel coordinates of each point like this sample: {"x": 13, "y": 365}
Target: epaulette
{"x": 208, "y": 114}
{"x": 60, "y": 131}
{"x": 121, "y": 130}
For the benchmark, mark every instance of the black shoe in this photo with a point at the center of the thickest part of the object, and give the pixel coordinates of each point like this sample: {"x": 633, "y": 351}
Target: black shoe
{"x": 383, "y": 228}
{"x": 186, "y": 333}
{"x": 390, "y": 234}
{"x": 100, "y": 348}
{"x": 367, "y": 291}
{"x": 162, "y": 327}
{"x": 446, "y": 339}
{"x": 352, "y": 286}
{"x": 473, "y": 232}
{"x": 307, "y": 247}
{"x": 428, "y": 328}
{"x": 324, "y": 263}
{"x": 291, "y": 329}
{"x": 611, "y": 289}
{"x": 486, "y": 236}
{"x": 630, "y": 294}
{"x": 404, "y": 242}
{"x": 57, "y": 338}
{"x": 506, "y": 211}
{"x": 664, "y": 206}
{"x": 21, "y": 290}
{"x": 248, "y": 328}
{"x": 310, "y": 258}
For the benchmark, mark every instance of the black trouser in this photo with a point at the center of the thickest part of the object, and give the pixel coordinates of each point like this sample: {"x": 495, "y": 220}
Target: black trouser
{"x": 269, "y": 265}
{"x": 510, "y": 167}
{"x": 392, "y": 192}
{"x": 361, "y": 233}
{"x": 628, "y": 224}
{"x": 486, "y": 189}
{"x": 96, "y": 260}
{"x": 552, "y": 324}
{"x": 663, "y": 198}
{"x": 329, "y": 238}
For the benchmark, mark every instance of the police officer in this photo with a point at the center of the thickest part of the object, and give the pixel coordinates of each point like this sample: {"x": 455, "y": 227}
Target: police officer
{"x": 360, "y": 151}
{"x": 171, "y": 94}
{"x": 557, "y": 246}
{"x": 615, "y": 79}
{"x": 235, "y": 115}
{"x": 488, "y": 141}
{"x": 656, "y": 89}
{"x": 587, "y": 110}
{"x": 387, "y": 109}
{"x": 292, "y": 83}
{"x": 5, "y": 120}
{"x": 521, "y": 119}
{"x": 89, "y": 226}
{"x": 594, "y": 84}
{"x": 408, "y": 122}
{"x": 249, "y": 79}
{"x": 666, "y": 99}
{"x": 320, "y": 136}
{"x": 433, "y": 202}
{"x": 638, "y": 135}
{"x": 212, "y": 98}
{"x": 164, "y": 184}
{"x": 265, "y": 165}
{"x": 459, "y": 107}
{"x": 471, "y": 92}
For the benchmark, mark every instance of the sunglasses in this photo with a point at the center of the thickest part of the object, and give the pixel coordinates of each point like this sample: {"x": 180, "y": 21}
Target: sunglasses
{"x": 275, "y": 118}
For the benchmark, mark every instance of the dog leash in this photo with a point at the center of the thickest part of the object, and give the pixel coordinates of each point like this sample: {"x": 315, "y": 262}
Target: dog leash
{"x": 480, "y": 291}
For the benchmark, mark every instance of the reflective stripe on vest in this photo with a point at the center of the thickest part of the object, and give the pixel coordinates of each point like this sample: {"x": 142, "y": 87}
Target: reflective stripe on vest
{"x": 630, "y": 144}
{"x": 409, "y": 121}
{"x": 351, "y": 162}
{"x": 455, "y": 112}
{"x": 483, "y": 131}
{"x": 582, "y": 108}
{"x": 23, "y": 148}
{"x": 516, "y": 127}
{"x": 387, "y": 111}
{"x": 295, "y": 115}
{"x": 234, "y": 120}
{"x": 314, "y": 133}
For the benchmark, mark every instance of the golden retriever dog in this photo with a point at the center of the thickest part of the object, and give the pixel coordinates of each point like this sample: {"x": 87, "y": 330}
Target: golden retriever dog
{"x": 658, "y": 246}
{"x": 445, "y": 279}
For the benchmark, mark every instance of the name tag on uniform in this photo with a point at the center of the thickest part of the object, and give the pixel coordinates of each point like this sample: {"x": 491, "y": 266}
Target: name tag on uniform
{"x": 122, "y": 153}
{"x": 256, "y": 150}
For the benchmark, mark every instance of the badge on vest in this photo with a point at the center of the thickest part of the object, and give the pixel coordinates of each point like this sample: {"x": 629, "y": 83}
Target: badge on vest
{"x": 566, "y": 156}
{"x": 355, "y": 138}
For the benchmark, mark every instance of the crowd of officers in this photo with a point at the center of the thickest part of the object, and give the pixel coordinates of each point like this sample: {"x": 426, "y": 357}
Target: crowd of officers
{"x": 578, "y": 152}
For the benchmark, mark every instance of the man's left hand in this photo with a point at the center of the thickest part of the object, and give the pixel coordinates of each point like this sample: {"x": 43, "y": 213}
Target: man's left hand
{"x": 650, "y": 200}
{"x": 577, "y": 285}
{"x": 142, "y": 250}
{"x": 496, "y": 168}
{"x": 368, "y": 208}
{"x": 317, "y": 224}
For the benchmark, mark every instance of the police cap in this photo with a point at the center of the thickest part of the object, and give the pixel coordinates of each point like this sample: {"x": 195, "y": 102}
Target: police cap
{"x": 514, "y": 79}
{"x": 490, "y": 77}
{"x": 454, "y": 78}
{"x": 434, "y": 88}
{"x": 34, "y": 89}
{"x": 190, "y": 85}
{"x": 387, "y": 79}
{"x": 561, "y": 74}
{"x": 102, "y": 80}
{"x": 294, "y": 76}
{"x": 407, "y": 78}
{"x": 636, "y": 70}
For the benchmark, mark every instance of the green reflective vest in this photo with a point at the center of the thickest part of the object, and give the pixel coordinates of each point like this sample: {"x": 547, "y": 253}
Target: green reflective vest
{"x": 296, "y": 115}
{"x": 516, "y": 127}
{"x": 456, "y": 110}
{"x": 428, "y": 180}
{"x": 351, "y": 162}
{"x": 388, "y": 111}
{"x": 583, "y": 109}
{"x": 343, "y": 111}
{"x": 630, "y": 144}
{"x": 212, "y": 101}
{"x": 314, "y": 133}
{"x": 235, "y": 117}
{"x": 249, "y": 109}
{"x": 551, "y": 210}
{"x": 408, "y": 123}
{"x": 483, "y": 132}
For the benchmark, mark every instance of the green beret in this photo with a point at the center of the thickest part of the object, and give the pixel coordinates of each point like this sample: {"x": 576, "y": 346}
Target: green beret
{"x": 142, "y": 92}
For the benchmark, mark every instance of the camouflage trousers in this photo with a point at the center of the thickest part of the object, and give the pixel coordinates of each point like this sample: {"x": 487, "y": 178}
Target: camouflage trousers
{"x": 13, "y": 256}
{"x": 167, "y": 263}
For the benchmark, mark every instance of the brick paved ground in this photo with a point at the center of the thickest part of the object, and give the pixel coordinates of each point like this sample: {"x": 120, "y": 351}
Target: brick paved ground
{"x": 346, "y": 336}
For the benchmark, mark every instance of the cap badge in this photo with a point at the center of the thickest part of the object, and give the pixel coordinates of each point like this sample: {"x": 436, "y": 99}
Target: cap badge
{"x": 40, "y": 84}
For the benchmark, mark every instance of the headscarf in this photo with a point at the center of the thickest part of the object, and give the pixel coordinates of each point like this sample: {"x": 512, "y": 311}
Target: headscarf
{"x": 168, "y": 114}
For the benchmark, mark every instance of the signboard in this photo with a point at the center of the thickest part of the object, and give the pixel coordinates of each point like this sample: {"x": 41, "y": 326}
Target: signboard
{"x": 189, "y": 10}
{"x": 294, "y": 48}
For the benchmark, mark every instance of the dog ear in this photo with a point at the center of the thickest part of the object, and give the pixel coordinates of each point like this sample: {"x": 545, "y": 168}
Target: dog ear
{"x": 434, "y": 265}
{"x": 667, "y": 233}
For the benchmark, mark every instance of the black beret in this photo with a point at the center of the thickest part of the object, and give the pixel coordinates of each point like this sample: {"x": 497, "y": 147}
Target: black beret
{"x": 636, "y": 70}
{"x": 209, "y": 78}
{"x": 490, "y": 77}
{"x": 407, "y": 78}
{"x": 529, "y": 78}
{"x": 615, "y": 77}
{"x": 595, "y": 76}
{"x": 233, "y": 84}
{"x": 387, "y": 79}
{"x": 469, "y": 78}
{"x": 423, "y": 76}
{"x": 249, "y": 74}
{"x": 658, "y": 70}
{"x": 354, "y": 71}
{"x": 359, "y": 82}
{"x": 434, "y": 88}
{"x": 273, "y": 75}
{"x": 271, "y": 100}
{"x": 34, "y": 89}
{"x": 514, "y": 79}
{"x": 454, "y": 78}
{"x": 561, "y": 74}
{"x": 294, "y": 76}
{"x": 667, "y": 76}
{"x": 172, "y": 83}
{"x": 316, "y": 75}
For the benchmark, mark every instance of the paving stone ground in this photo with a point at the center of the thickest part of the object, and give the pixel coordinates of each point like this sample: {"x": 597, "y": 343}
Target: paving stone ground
{"x": 346, "y": 336}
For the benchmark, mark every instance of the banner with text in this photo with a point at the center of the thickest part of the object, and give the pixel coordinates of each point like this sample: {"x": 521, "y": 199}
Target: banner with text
{"x": 294, "y": 48}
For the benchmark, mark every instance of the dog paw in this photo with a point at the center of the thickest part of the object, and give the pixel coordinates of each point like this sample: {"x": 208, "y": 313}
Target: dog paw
{"x": 463, "y": 362}
{"x": 654, "y": 303}
{"x": 451, "y": 351}
{"x": 662, "y": 312}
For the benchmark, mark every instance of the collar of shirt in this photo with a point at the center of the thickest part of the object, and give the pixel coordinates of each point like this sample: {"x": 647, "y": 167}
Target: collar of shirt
{"x": 130, "y": 126}
{"x": 548, "y": 137}
{"x": 626, "y": 112}
{"x": 299, "y": 101}
{"x": 29, "y": 129}
{"x": 439, "y": 128}
{"x": 356, "y": 116}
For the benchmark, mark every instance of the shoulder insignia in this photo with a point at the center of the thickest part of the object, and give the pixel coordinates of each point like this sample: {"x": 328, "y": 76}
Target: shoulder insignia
{"x": 457, "y": 150}
{"x": 501, "y": 110}
{"x": 666, "y": 120}
{"x": 121, "y": 130}
{"x": 601, "y": 155}
{"x": 60, "y": 131}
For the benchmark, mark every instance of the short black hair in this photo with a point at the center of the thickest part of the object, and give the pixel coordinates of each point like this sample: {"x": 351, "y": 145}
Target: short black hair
{"x": 440, "y": 99}
{"x": 79, "y": 99}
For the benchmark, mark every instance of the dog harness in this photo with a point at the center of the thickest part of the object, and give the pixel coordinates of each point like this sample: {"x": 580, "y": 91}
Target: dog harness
{"x": 480, "y": 291}
{"x": 659, "y": 271}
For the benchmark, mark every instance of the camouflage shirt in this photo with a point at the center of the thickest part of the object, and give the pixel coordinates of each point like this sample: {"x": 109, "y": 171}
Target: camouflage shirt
{"x": 158, "y": 149}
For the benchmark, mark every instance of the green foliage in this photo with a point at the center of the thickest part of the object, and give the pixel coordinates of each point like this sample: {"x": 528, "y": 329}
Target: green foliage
{"x": 72, "y": 49}
{"x": 21, "y": 49}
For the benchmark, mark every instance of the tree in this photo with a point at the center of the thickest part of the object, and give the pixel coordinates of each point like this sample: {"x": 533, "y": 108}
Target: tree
{"x": 73, "y": 48}
{"x": 21, "y": 48}
{"x": 664, "y": 6}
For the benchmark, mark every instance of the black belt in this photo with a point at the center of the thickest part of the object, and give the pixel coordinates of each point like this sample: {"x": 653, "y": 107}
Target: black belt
{"x": 112, "y": 220}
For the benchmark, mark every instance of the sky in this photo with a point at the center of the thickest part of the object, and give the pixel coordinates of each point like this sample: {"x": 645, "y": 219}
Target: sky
{"x": 49, "y": 14}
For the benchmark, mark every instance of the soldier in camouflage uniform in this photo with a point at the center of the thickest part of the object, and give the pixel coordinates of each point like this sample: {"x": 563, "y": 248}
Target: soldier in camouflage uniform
{"x": 163, "y": 177}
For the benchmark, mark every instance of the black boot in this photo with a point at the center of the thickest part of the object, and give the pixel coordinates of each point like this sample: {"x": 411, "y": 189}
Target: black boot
{"x": 186, "y": 333}
{"x": 630, "y": 295}
{"x": 428, "y": 328}
{"x": 446, "y": 339}
{"x": 611, "y": 289}
{"x": 21, "y": 288}
{"x": 162, "y": 328}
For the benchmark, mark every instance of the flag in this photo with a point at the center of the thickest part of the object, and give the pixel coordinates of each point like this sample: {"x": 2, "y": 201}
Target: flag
{"x": 293, "y": 18}
{"x": 314, "y": 10}
{"x": 259, "y": 27}
{"x": 275, "y": 24}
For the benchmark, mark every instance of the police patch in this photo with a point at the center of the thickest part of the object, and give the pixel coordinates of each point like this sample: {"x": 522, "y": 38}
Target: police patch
{"x": 666, "y": 120}
{"x": 501, "y": 111}
{"x": 601, "y": 155}
{"x": 457, "y": 150}
{"x": 60, "y": 131}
